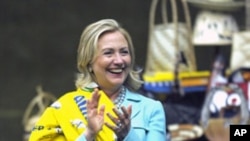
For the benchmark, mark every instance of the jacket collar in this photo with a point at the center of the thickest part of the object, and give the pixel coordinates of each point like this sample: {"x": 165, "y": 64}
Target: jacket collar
{"x": 133, "y": 99}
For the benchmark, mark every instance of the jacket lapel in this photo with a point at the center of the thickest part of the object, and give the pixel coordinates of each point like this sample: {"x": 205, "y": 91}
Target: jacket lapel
{"x": 134, "y": 100}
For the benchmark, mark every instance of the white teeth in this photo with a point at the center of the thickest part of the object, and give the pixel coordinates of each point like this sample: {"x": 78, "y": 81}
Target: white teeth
{"x": 116, "y": 70}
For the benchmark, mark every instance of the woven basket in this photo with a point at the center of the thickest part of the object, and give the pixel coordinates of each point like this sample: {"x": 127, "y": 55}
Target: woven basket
{"x": 167, "y": 40}
{"x": 35, "y": 109}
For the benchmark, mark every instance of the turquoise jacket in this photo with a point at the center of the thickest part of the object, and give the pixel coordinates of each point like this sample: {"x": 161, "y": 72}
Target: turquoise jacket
{"x": 148, "y": 122}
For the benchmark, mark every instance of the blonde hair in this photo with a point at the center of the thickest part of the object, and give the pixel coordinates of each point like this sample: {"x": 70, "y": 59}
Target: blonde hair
{"x": 87, "y": 50}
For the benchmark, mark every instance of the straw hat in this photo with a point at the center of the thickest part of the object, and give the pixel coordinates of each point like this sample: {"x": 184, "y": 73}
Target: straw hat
{"x": 184, "y": 132}
{"x": 222, "y": 5}
{"x": 214, "y": 28}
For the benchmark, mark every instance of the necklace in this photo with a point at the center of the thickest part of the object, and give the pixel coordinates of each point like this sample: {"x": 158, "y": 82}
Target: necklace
{"x": 118, "y": 101}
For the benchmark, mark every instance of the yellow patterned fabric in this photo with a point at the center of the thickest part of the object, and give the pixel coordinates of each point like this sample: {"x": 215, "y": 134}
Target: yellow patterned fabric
{"x": 169, "y": 76}
{"x": 65, "y": 119}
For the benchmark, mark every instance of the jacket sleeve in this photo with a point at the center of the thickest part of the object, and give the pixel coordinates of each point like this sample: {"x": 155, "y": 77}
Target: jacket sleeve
{"x": 81, "y": 138}
{"x": 155, "y": 121}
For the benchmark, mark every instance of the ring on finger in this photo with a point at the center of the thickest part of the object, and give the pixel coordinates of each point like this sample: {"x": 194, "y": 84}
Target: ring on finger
{"x": 120, "y": 125}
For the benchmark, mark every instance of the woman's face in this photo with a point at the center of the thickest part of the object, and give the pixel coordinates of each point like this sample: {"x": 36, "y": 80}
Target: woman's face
{"x": 112, "y": 65}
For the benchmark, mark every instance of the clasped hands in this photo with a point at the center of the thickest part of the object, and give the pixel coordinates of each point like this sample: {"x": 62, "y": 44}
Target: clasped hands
{"x": 95, "y": 118}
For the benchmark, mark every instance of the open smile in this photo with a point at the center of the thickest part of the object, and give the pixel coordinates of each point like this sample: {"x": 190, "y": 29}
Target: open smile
{"x": 116, "y": 71}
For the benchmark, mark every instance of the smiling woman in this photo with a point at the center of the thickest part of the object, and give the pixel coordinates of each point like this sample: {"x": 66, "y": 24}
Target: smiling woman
{"x": 112, "y": 64}
{"x": 106, "y": 105}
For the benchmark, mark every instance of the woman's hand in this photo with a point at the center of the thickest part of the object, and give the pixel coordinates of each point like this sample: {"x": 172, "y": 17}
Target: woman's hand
{"x": 95, "y": 118}
{"x": 122, "y": 122}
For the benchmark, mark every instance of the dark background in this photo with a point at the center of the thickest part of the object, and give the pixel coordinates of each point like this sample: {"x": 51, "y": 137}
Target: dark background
{"x": 38, "y": 43}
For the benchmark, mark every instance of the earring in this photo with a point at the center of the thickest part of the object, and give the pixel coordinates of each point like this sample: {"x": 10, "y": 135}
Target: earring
{"x": 90, "y": 69}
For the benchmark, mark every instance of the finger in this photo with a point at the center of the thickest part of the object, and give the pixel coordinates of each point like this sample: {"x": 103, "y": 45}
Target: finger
{"x": 126, "y": 112}
{"x": 118, "y": 113}
{"x": 95, "y": 95}
{"x": 101, "y": 110}
{"x": 129, "y": 109}
{"x": 114, "y": 128}
{"x": 91, "y": 112}
{"x": 93, "y": 102}
{"x": 89, "y": 105}
{"x": 115, "y": 120}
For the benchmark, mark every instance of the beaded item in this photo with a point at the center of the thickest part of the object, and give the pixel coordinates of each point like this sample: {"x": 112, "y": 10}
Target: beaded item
{"x": 118, "y": 101}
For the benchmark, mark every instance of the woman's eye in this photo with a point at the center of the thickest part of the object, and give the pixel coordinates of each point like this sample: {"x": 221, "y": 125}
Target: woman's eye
{"x": 107, "y": 52}
{"x": 125, "y": 52}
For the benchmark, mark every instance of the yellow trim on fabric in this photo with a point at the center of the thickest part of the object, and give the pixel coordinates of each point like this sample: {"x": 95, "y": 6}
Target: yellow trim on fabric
{"x": 169, "y": 76}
